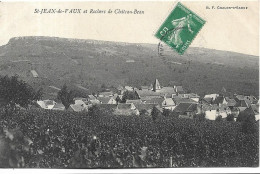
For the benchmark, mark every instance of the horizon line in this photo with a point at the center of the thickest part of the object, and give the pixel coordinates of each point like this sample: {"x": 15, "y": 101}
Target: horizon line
{"x": 70, "y": 38}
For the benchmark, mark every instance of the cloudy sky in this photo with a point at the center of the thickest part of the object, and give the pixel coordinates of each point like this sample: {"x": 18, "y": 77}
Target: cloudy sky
{"x": 232, "y": 30}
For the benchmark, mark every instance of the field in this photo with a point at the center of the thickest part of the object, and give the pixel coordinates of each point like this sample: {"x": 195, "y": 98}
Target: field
{"x": 67, "y": 140}
{"x": 87, "y": 64}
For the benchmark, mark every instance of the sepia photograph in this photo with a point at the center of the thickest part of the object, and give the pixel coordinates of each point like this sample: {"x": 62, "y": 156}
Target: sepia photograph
{"x": 129, "y": 85}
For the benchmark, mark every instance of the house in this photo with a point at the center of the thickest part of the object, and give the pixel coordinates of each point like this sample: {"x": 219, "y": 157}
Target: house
{"x": 209, "y": 98}
{"x": 126, "y": 109}
{"x": 252, "y": 99}
{"x": 145, "y": 109}
{"x": 165, "y": 91}
{"x": 162, "y": 102}
{"x": 91, "y": 97}
{"x": 186, "y": 110}
{"x": 146, "y": 93}
{"x": 34, "y": 73}
{"x": 59, "y": 107}
{"x": 93, "y": 102}
{"x": 192, "y": 96}
{"x": 79, "y": 99}
{"x": 129, "y": 88}
{"x": 178, "y": 90}
{"x": 230, "y": 102}
{"x": 214, "y": 111}
{"x": 106, "y": 94}
{"x": 168, "y": 103}
{"x": 223, "y": 111}
{"x": 79, "y": 106}
{"x": 213, "y": 96}
{"x": 220, "y": 100}
{"x": 106, "y": 100}
{"x": 243, "y": 101}
{"x": 178, "y": 100}
{"x": 255, "y": 109}
{"x": 138, "y": 101}
{"x": 46, "y": 104}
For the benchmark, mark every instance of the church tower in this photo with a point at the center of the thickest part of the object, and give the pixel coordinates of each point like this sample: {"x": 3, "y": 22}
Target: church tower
{"x": 156, "y": 86}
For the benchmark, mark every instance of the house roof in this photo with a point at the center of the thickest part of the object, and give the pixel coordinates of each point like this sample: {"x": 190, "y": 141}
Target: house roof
{"x": 168, "y": 102}
{"x": 144, "y": 106}
{"x": 80, "y": 98}
{"x": 155, "y": 101}
{"x": 91, "y": 97}
{"x": 167, "y": 91}
{"x": 179, "y": 100}
{"x": 109, "y": 93}
{"x": 120, "y": 88}
{"x": 242, "y": 103}
{"x": 219, "y": 100}
{"x": 240, "y": 97}
{"x": 231, "y": 102}
{"x": 191, "y": 95}
{"x": 208, "y": 100}
{"x": 59, "y": 106}
{"x": 78, "y": 107}
{"x": 213, "y": 96}
{"x": 185, "y": 107}
{"x": 124, "y": 106}
{"x": 255, "y": 108}
{"x": 104, "y": 100}
{"x": 34, "y": 73}
{"x": 179, "y": 89}
{"x": 241, "y": 108}
{"x": 129, "y": 88}
{"x": 46, "y": 104}
{"x": 79, "y": 102}
{"x": 144, "y": 93}
{"x": 252, "y": 99}
{"x": 139, "y": 101}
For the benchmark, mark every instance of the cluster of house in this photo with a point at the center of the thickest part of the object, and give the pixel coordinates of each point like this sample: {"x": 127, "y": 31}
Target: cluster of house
{"x": 173, "y": 98}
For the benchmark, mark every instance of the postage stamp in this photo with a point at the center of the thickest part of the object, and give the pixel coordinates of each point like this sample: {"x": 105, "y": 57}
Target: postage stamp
{"x": 180, "y": 28}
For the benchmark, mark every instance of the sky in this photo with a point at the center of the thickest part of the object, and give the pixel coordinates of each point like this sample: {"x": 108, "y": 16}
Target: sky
{"x": 231, "y": 30}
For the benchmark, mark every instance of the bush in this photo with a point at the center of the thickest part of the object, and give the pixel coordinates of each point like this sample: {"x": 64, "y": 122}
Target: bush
{"x": 219, "y": 118}
{"x": 65, "y": 140}
{"x": 230, "y": 117}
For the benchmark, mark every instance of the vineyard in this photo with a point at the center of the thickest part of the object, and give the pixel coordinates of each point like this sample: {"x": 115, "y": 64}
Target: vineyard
{"x": 98, "y": 139}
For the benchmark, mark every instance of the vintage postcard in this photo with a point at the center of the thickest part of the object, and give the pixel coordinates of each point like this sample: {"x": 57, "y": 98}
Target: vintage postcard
{"x": 123, "y": 85}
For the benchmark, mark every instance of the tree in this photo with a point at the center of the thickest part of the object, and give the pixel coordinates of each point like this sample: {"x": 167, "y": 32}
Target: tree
{"x": 219, "y": 118}
{"x": 230, "y": 117}
{"x": 129, "y": 95}
{"x": 155, "y": 113}
{"x": 118, "y": 100}
{"x": 166, "y": 112}
{"x": 15, "y": 92}
{"x": 200, "y": 117}
{"x": 65, "y": 96}
{"x": 248, "y": 122}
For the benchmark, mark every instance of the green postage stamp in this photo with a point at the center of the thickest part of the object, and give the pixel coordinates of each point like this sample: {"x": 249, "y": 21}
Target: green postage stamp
{"x": 180, "y": 28}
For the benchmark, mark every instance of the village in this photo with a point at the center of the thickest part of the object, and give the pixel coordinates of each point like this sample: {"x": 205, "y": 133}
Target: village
{"x": 173, "y": 98}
